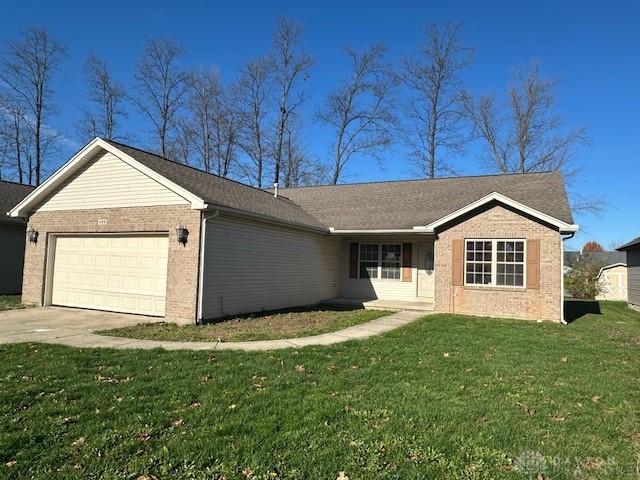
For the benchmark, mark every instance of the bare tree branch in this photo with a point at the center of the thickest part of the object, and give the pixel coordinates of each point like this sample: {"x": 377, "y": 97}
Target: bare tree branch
{"x": 360, "y": 111}
{"x": 108, "y": 97}
{"x": 27, "y": 69}
{"x": 434, "y": 107}
{"x": 289, "y": 66}
{"x": 162, "y": 85}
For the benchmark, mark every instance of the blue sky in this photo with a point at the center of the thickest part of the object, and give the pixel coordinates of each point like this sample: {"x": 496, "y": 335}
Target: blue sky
{"x": 592, "y": 48}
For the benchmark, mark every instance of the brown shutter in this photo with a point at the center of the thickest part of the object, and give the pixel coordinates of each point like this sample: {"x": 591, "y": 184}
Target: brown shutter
{"x": 406, "y": 262}
{"x": 458, "y": 262}
{"x": 353, "y": 260}
{"x": 533, "y": 264}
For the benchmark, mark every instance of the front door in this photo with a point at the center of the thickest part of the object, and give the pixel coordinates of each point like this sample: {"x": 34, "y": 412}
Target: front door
{"x": 426, "y": 274}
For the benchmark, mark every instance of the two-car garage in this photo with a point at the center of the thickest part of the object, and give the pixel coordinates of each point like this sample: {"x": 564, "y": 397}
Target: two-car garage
{"x": 120, "y": 273}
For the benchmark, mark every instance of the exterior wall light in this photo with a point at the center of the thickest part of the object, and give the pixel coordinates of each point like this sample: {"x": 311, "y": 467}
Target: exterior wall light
{"x": 182, "y": 233}
{"x": 32, "y": 235}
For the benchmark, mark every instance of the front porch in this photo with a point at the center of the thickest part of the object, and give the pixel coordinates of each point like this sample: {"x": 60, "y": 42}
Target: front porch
{"x": 380, "y": 304}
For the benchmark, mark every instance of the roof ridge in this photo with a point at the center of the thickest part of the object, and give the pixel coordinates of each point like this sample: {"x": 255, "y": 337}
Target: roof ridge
{"x": 452, "y": 177}
{"x": 200, "y": 170}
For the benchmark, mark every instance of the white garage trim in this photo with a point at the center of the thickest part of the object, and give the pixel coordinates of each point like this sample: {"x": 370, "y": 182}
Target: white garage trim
{"x": 134, "y": 283}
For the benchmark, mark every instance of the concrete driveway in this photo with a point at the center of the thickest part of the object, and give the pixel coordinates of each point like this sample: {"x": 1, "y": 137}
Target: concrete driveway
{"x": 62, "y": 325}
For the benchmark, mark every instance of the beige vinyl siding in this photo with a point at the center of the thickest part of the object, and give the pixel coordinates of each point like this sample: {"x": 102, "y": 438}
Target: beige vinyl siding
{"x": 377, "y": 288}
{"x": 108, "y": 182}
{"x": 251, "y": 266}
{"x": 633, "y": 271}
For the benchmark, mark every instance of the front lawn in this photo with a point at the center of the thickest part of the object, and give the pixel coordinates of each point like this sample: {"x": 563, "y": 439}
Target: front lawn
{"x": 265, "y": 326}
{"x": 445, "y": 397}
{"x": 9, "y": 302}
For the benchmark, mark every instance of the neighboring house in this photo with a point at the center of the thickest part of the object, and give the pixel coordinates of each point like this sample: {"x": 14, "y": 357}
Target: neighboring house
{"x": 113, "y": 225}
{"x": 613, "y": 272}
{"x": 632, "y": 249}
{"x": 12, "y": 237}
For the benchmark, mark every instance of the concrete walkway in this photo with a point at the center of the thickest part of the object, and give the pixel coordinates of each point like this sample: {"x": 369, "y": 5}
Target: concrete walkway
{"x": 75, "y": 328}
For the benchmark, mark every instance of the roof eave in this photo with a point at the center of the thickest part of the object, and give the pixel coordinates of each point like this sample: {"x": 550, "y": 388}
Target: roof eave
{"x": 23, "y": 208}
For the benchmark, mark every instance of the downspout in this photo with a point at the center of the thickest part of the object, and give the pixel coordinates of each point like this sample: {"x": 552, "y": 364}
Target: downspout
{"x": 571, "y": 235}
{"x": 203, "y": 237}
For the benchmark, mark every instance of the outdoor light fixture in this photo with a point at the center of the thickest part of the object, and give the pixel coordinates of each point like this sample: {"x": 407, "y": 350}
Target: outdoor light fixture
{"x": 182, "y": 233}
{"x": 32, "y": 235}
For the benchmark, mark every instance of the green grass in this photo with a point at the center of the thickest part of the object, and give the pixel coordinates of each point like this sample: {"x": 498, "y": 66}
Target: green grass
{"x": 444, "y": 397}
{"x": 265, "y": 326}
{"x": 9, "y": 302}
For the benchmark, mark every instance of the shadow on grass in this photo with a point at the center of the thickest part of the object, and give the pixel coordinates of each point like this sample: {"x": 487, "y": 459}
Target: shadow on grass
{"x": 321, "y": 307}
{"x": 575, "y": 309}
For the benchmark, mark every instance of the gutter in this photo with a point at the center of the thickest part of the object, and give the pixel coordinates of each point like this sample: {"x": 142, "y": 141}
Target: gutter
{"x": 203, "y": 237}
{"x": 569, "y": 237}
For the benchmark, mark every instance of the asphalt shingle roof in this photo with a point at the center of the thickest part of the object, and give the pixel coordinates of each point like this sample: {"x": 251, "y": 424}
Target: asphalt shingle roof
{"x": 382, "y": 205}
{"x": 222, "y": 191}
{"x": 12, "y": 194}
{"x": 404, "y": 204}
{"x": 603, "y": 258}
{"x": 633, "y": 243}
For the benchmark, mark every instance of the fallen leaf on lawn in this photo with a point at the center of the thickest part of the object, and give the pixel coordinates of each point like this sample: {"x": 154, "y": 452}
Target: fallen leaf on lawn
{"x": 299, "y": 368}
{"x": 564, "y": 359}
{"x": 558, "y": 418}
{"x": 147, "y": 477}
{"x": 144, "y": 437}
{"x": 10, "y": 463}
{"x": 446, "y": 354}
{"x": 595, "y": 398}
{"x": 195, "y": 405}
{"x": 68, "y": 420}
{"x": 232, "y": 407}
{"x": 527, "y": 409}
{"x": 79, "y": 442}
{"x": 177, "y": 423}
{"x": 482, "y": 419}
{"x": 342, "y": 476}
{"x": 247, "y": 472}
{"x": 205, "y": 378}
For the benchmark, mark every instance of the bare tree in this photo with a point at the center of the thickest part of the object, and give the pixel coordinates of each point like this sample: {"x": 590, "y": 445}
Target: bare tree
{"x": 108, "y": 95}
{"x": 215, "y": 123}
{"x": 182, "y": 144}
{"x": 289, "y": 66}
{"x": 528, "y": 135}
{"x": 162, "y": 85}
{"x": 360, "y": 111}
{"x": 27, "y": 69}
{"x": 15, "y": 135}
{"x": 252, "y": 96}
{"x": 434, "y": 107}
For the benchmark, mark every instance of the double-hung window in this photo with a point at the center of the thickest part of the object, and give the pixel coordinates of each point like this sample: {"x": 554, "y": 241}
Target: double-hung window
{"x": 498, "y": 263}
{"x": 380, "y": 260}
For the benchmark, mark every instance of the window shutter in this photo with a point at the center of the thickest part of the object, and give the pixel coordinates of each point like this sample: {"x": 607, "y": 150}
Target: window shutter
{"x": 353, "y": 260}
{"x": 458, "y": 262}
{"x": 406, "y": 262}
{"x": 533, "y": 264}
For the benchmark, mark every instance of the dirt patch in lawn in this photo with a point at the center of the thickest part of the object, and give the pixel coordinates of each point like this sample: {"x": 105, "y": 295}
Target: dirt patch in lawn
{"x": 263, "y": 326}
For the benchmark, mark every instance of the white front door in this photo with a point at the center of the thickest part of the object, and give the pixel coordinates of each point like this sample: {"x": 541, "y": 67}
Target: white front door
{"x": 119, "y": 273}
{"x": 426, "y": 274}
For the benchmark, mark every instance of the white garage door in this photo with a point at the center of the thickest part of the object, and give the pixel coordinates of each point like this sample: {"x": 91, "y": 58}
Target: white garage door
{"x": 125, "y": 273}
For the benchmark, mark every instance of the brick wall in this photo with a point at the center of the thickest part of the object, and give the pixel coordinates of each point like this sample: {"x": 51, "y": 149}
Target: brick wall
{"x": 183, "y": 260}
{"x": 533, "y": 304}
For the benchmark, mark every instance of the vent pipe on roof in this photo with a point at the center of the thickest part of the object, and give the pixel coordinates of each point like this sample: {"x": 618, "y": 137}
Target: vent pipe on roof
{"x": 275, "y": 190}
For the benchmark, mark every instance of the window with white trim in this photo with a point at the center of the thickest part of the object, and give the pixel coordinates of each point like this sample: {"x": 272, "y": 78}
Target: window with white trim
{"x": 499, "y": 262}
{"x": 380, "y": 260}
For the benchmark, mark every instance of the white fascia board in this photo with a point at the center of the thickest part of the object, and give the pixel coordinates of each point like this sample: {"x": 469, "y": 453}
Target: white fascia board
{"x": 563, "y": 227}
{"x": 71, "y": 165}
{"x": 377, "y": 231}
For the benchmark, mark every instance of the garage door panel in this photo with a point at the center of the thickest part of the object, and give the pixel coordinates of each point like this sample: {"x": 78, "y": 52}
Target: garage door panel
{"x": 119, "y": 273}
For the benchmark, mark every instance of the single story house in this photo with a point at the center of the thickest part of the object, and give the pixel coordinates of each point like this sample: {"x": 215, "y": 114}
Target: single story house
{"x": 612, "y": 276}
{"x": 12, "y": 237}
{"x": 632, "y": 249}
{"x": 125, "y": 230}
